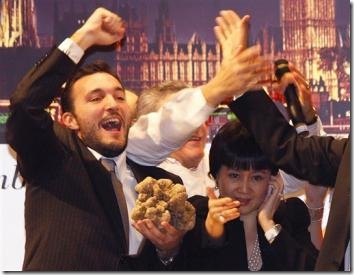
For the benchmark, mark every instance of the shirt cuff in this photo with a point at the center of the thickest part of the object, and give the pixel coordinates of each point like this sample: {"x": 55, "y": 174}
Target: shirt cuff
{"x": 316, "y": 129}
{"x": 72, "y": 50}
{"x": 272, "y": 233}
{"x": 238, "y": 96}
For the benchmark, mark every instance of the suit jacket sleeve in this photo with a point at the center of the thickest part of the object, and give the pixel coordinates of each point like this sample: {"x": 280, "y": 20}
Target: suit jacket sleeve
{"x": 315, "y": 159}
{"x": 30, "y": 129}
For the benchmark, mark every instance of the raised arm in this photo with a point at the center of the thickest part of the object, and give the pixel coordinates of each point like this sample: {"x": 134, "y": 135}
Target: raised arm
{"x": 30, "y": 127}
{"x": 101, "y": 28}
{"x": 315, "y": 159}
{"x": 154, "y": 136}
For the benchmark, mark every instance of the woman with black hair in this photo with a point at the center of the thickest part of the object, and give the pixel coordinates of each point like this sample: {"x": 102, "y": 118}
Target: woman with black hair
{"x": 248, "y": 227}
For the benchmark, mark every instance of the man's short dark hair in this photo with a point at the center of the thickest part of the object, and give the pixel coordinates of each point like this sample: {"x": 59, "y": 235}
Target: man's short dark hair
{"x": 234, "y": 147}
{"x": 88, "y": 69}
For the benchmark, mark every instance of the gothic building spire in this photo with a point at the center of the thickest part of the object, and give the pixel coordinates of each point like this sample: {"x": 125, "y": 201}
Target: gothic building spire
{"x": 18, "y": 20}
{"x": 164, "y": 27}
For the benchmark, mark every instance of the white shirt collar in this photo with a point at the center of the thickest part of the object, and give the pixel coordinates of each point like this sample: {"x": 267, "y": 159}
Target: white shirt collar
{"x": 121, "y": 160}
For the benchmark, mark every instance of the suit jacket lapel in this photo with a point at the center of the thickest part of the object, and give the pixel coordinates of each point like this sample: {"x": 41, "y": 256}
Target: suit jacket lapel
{"x": 101, "y": 181}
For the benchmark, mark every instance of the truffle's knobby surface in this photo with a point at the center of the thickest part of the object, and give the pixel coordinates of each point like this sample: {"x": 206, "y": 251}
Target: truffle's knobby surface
{"x": 162, "y": 200}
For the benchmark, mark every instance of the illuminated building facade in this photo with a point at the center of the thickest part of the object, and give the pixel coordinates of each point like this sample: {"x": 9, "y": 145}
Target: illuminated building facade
{"x": 142, "y": 64}
{"x": 308, "y": 26}
{"x": 18, "y": 24}
{"x": 307, "y": 35}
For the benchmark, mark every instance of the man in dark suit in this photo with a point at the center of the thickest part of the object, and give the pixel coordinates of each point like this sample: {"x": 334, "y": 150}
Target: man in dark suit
{"x": 73, "y": 217}
{"x": 320, "y": 160}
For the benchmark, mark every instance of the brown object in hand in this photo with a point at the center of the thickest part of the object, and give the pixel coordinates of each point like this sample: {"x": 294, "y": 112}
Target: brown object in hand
{"x": 162, "y": 200}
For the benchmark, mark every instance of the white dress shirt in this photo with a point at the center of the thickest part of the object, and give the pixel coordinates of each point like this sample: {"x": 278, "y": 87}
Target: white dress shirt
{"x": 195, "y": 180}
{"x": 167, "y": 129}
{"x": 126, "y": 177}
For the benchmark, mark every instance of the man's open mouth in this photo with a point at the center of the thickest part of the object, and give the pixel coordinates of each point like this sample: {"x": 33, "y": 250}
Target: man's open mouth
{"x": 111, "y": 124}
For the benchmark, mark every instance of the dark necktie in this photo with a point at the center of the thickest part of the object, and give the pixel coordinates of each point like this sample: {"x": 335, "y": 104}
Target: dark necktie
{"x": 118, "y": 189}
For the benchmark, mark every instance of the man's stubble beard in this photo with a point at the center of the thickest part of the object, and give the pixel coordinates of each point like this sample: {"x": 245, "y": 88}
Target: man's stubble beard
{"x": 107, "y": 150}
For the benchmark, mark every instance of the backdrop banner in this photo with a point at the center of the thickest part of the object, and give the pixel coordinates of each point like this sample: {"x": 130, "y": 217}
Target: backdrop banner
{"x": 12, "y": 197}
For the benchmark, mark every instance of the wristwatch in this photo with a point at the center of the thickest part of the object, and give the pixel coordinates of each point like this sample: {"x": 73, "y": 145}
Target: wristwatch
{"x": 166, "y": 260}
{"x": 273, "y": 232}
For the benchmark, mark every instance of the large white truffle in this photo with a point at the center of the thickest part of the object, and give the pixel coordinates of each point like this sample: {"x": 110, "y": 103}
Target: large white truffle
{"x": 162, "y": 200}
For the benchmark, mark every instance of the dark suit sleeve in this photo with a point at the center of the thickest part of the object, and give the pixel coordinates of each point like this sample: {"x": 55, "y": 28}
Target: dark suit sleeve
{"x": 293, "y": 246}
{"x": 30, "y": 130}
{"x": 315, "y": 159}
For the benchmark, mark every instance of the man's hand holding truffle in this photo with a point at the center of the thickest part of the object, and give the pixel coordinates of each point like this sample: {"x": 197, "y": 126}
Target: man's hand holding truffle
{"x": 162, "y": 214}
{"x": 167, "y": 240}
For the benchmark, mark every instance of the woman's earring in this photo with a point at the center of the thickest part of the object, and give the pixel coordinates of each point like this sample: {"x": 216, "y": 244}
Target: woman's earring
{"x": 216, "y": 187}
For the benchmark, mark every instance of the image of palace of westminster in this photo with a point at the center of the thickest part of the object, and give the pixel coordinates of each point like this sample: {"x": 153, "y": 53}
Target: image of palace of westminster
{"x": 307, "y": 36}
